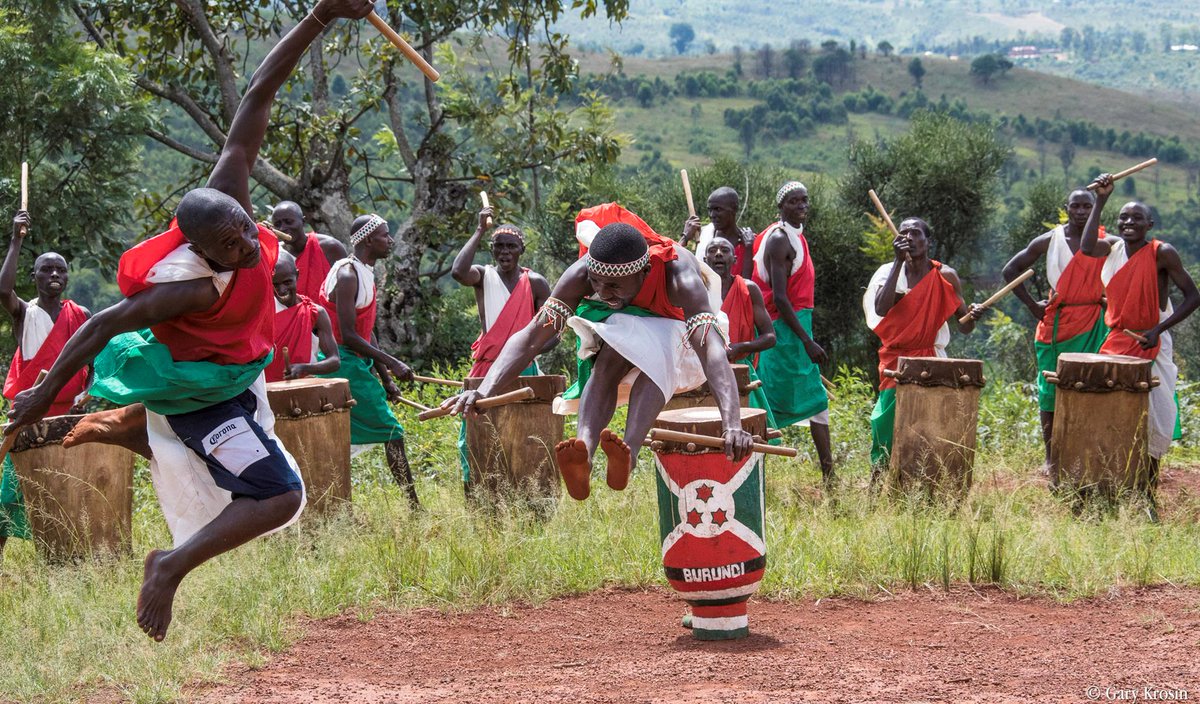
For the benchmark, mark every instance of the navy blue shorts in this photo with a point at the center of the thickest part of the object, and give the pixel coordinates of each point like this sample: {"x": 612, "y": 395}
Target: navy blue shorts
{"x": 240, "y": 456}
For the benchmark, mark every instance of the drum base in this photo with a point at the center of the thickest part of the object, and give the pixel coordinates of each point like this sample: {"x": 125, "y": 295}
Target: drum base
{"x": 725, "y": 622}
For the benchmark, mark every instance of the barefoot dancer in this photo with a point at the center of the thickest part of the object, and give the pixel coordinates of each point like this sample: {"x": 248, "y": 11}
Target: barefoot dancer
{"x": 909, "y": 304}
{"x": 508, "y": 296}
{"x": 1072, "y": 319}
{"x": 315, "y": 253}
{"x": 784, "y": 271}
{"x": 723, "y": 217}
{"x": 750, "y": 330}
{"x": 651, "y": 323}
{"x": 1137, "y": 274}
{"x": 204, "y": 289}
{"x": 350, "y": 297}
{"x": 301, "y": 327}
{"x": 41, "y": 327}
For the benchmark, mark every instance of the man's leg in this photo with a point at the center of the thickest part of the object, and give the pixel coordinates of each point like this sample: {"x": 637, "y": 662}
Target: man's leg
{"x": 243, "y": 520}
{"x": 125, "y": 427}
{"x": 1048, "y": 469}
{"x": 646, "y": 401}
{"x": 596, "y": 407}
{"x": 820, "y": 436}
{"x": 397, "y": 460}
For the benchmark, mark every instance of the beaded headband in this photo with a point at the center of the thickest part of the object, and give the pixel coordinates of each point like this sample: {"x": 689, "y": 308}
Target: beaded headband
{"x": 787, "y": 188}
{"x": 616, "y": 270}
{"x": 508, "y": 230}
{"x": 363, "y": 232}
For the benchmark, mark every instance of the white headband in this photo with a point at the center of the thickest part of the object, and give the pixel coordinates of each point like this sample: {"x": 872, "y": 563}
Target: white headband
{"x": 363, "y": 232}
{"x": 786, "y": 189}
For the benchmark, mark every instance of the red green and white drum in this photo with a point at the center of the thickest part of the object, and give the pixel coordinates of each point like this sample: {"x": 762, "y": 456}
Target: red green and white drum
{"x": 710, "y": 515}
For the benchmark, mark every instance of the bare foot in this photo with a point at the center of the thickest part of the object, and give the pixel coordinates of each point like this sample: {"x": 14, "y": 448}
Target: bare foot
{"x": 620, "y": 459}
{"x": 576, "y": 468}
{"x": 125, "y": 427}
{"x": 156, "y": 597}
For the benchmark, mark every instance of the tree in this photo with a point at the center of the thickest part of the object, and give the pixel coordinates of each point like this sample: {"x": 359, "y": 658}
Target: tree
{"x": 916, "y": 69}
{"x": 1066, "y": 155}
{"x": 985, "y": 67}
{"x": 794, "y": 60}
{"x": 73, "y": 113}
{"x": 747, "y": 134}
{"x": 766, "y": 61}
{"x": 681, "y": 34}
{"x": 885, "y": 48}
{"x": 943, "y": 169}
{"x": 396, "y": 142}
{"x": 737, "y": 61}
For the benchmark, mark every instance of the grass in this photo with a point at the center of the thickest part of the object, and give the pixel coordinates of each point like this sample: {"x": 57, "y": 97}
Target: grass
{"x": 68, "y": 631}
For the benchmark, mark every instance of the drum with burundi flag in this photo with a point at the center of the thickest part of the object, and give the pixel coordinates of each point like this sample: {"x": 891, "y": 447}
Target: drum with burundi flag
{"x": 710, "y": 516}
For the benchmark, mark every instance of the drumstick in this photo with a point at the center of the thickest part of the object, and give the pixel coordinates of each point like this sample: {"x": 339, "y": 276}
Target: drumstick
{"x": 886, "y": 218}
{"x": 483, "y": 197}
{"x": 24, "y": 193}
{"x": 484, "y": 403}
{"x": 1131, "y": 170}
{"x": 1134, "y": 335}
{"x": 709, "y": 441}
{"x": 828, "y": 388}
{"x": 435, "y": 380}
{"x": 687, "y": 193}
{"x": 405, "y": 48}
{"x": 1000, "y": 294}
{"x": 413, "y": 404}
{"x": 281, "y": 236}
{"x": 286, "y": 362}
{"x": 10, "y": 430}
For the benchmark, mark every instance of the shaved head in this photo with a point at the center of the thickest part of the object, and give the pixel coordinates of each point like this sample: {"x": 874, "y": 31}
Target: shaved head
{"x": 204, "y": 212}
{"x": 286, "y": 264}
{"x": 287, "y": 206}
{"x": 618, "y": 243}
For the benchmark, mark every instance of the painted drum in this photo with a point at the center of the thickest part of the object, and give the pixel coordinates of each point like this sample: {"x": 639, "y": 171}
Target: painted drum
{"x": 711, "y": 517}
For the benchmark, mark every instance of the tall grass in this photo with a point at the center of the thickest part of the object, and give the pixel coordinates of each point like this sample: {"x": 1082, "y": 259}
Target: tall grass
{"x": 67, "y": 631}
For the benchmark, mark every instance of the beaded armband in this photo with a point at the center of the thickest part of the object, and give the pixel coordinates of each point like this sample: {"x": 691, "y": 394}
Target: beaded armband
{"x": 557, "y": 313}
{"x": 703, "y": 322}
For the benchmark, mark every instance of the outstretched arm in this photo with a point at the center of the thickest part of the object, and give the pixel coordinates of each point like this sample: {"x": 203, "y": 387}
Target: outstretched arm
{"x": 8, "y": 273}
{"x": 150, "y": 307}
{"x": 464, "y": 270}
{"x": 231, "y": 175}
{"x": 1020, "y": 262}
{"x": 1091, "y": 244}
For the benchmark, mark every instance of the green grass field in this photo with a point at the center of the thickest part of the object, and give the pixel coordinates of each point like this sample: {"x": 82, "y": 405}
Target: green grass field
{"x": 68, "y": 632}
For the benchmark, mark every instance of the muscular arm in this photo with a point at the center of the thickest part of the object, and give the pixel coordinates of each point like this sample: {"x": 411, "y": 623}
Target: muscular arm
{"x": 952, "y": 276}
{"x": 887, "y": 297}
{"x": 747, "y": 253}
{"x": 765, "y": 332}
{"x": 1091, "y": 244}
{"x": 1020, "y": 262}
{"x": 332, "y": 248}
{"x": 8, "y": 275}
{"x": 345, "y": 292}
{"x": 778, "y": 259}
{"x": 541, "y": 291}
{"x": 464, "y": 270}
{"x": 328, "y": 346}
{"x": 150, "y": 307}
{"x": 1169, "y": 261}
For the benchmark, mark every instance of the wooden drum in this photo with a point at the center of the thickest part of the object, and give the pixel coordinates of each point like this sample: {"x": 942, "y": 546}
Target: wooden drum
{"x": 702, "y": 396}
{"x": 510, "y": 449}
{"x": 312, "y": 420}
{"x": 710, "y": 520}
{"x": 937, "y": 415}
{"x": 79, "y": 499}
{"x": 1100, "y": 421}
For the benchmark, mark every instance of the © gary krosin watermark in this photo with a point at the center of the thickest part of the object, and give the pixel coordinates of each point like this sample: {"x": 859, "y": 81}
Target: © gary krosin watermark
{"x": 1145, "y": 693}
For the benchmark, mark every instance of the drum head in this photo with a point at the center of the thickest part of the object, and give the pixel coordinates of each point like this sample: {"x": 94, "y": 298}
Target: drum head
{"x": 297, "y": 398}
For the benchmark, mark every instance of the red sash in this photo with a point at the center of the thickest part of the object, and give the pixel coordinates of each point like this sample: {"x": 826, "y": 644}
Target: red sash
{"x": 237, "y": 329}
{"x": 516, "y": 314}
{"x": 312, "y": 267}
{"x": 800, "y": 285}
{"x": 364, "y": 318}
{"x": 653, "y": 294}
{"x": 740, "y": 309}
{"x": 23, "y": 372}
{"x": 1133, "y": 303}
{"x": 910, "y": 328}
{"x": 293, "y": 330}
{"x": 1076, "y": 300}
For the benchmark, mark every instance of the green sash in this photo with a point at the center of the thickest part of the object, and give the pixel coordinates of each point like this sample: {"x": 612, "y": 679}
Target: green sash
{"x": 13, "y": 522}
{"x": 371, "y": 419}
{"x": 883, "y": 427}
{"x": 1047, "y": 356}
{"x": 791, "y": 380}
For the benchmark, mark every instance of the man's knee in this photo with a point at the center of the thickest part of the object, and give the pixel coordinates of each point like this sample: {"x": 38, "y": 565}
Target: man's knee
{"x": 610, "y": 363}
{"x": 284, "y": 506}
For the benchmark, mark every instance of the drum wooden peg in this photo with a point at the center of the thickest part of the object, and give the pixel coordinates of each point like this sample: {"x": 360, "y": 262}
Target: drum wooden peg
{"x": 774, "y": 433}
{"x": 925, "y": 375}
{"x": 691, "y": 447}
{"x": 351, "y": 403}
{"x": 891, "y": 373}
{"x": 1079, "y": 385}
{"x": 656, "y": 445}
{"x": 1110, "y": 383}
{"x": 754, "y": 385}
{"x": 41, "y": 439}
{"x": 296, "y": 411}
{"x": 327, "y": 407}
{"x": 1154, "y": 382}
{"x": 964, "y": 378}
{"x": 1141, "y": 385}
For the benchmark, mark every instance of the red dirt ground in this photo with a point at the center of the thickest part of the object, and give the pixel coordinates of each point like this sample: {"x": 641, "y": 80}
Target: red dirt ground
{"x": 628, "y": 646}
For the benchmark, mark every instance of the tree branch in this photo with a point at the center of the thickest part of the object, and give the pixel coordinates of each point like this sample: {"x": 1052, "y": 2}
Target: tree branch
{"x": 391, "y": 96}
{"x": 222, "y": 63}
{"x": 192, "y": 152}
{"x": 202, "y": 119}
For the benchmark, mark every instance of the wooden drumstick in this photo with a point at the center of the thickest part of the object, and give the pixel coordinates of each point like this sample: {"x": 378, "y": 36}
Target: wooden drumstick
{"x": 1134, "y": 335}
{"x": 483, "y": 197}
{"x": 287, "y": 364}
{"x": 709, "y": 441}
{"x": 413, "y": 404}
{"x": 10, "y": 430}
{"x": 435, "y": 380}
{"x": 281, "y": 236}
{"x": 484, "y": 403}
{"x": 828, "y": 388}
{"x": 687, "y": 193}
{"x": 1001, "y": 293}
{"x": 24, "y": 194}
{"x": 1131, "y": 170}
{"x": 405, "y": 48}
{"x": 886, "y": 218}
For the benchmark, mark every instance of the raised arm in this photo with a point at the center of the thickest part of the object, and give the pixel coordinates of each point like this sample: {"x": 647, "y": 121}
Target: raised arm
{"x": 1019, "y": 263}
{"x": 464, "y": 269}
{"x": 231, "y": 175}
{"x": 154, "y": 305}
{"x": 1091, "y": 244}
{"x": 8, "y": 273}
{"x": 764, "y": 332}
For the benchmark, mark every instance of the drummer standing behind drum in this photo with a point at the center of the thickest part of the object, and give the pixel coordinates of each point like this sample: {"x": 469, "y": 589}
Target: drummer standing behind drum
{"x": 302, "y": 327}
{"x": 909, "y": 304}
{"x": 349, "y": 295}
{"x": 40, "y": 327}
{"x": 203, "y": 286}
{"x": 649, "y": 313}
{"x": 1072, "y": 319}
{"x": 723, "y": 224}
{"x": 1137, "y": 274}
{"x": 315, "y": 253}
{"x": 783, "y": 270}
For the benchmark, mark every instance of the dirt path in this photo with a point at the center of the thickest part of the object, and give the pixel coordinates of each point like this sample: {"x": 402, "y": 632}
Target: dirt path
{"x": 625, "y": 646}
